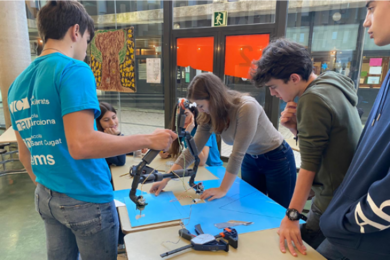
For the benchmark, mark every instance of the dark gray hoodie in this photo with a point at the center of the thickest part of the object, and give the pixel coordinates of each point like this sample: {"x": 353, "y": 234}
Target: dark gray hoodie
{"x": 329, "y": 128}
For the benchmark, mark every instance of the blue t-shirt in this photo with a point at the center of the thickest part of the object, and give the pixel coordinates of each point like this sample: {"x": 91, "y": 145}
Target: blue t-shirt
{"x": 51, "y": 87}
{"x": 214, "y": 159}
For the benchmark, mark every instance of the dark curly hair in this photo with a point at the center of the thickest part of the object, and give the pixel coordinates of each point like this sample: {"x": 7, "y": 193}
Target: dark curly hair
{"x": 280, "y": 59}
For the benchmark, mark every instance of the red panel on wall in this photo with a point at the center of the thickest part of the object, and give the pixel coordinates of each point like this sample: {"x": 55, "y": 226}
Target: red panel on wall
{"x": 198, "y": 53}
{"x": 241, "y": 51}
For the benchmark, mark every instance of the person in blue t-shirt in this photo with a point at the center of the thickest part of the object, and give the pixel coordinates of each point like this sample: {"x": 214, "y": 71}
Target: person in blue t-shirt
{"x": 209, "y": 154}
{"x": 53, "y": 106}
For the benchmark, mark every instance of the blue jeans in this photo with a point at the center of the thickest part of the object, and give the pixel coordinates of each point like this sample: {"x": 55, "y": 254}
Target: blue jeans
{"x": 273, "y": 173}
{"x": 329, "y": 251}
{"x": 74, "y": 226}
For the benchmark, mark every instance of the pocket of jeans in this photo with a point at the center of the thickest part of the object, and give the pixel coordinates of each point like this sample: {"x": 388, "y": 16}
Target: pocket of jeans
{"x": 84, "y": 218}
{"x": 36, "y": 202}
{"x": 276, "y": 156}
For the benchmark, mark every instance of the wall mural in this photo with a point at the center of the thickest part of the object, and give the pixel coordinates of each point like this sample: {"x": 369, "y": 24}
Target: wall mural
{"x": 112, "y": 60}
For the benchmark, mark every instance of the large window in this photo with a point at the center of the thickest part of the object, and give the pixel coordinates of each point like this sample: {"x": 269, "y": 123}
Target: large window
{"x": 334, "y": 35}
{"x": 142, "y": 111}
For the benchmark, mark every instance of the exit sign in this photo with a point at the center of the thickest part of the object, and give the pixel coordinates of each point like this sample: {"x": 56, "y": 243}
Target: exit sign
{"x": 219, "y": 19}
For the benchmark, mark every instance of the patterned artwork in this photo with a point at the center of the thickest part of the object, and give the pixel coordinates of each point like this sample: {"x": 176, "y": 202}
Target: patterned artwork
{"x": 112, "y": 60}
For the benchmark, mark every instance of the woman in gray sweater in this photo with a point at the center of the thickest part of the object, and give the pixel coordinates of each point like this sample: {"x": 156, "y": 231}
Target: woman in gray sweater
{"x": 266, "y": 160}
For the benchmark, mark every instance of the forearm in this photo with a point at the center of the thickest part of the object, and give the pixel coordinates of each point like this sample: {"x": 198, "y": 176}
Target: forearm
{"x": 227, "y": 181}
{"x": 100, "y": 145}
{"x": 203, "y": 155}
{"x": 176, "y": 167}
{"x": 173, "y": 168}
{"x": 302, "y": 189}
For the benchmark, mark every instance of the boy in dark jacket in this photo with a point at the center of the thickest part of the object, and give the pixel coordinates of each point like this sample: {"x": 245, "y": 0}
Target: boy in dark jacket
{"x": 328, "y": 126}
{"x": 357, "y": 221}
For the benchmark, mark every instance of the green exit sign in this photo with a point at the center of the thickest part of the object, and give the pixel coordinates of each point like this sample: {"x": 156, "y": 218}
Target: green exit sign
{"x": 219, "y": 19}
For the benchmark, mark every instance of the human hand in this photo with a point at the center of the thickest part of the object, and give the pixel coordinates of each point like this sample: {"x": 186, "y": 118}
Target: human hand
{"x": 164, "y": 155}
{"x": 112, "y": 131}
{"x": 158, "y": 187}
{"x": 289, "y": 117}
{"x": 289, "y": 231}
{"x": 214, "y": 193}
{"x": 161, "y": 139}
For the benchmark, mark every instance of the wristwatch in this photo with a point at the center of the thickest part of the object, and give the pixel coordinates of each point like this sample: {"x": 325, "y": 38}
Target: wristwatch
{"x": 294, "y": 215}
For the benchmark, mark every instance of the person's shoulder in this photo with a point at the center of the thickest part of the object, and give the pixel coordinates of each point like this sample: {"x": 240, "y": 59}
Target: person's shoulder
{"x": 248, "y": 99}
{"x": 249, "y": 103}
{"x": 77, "y": 64}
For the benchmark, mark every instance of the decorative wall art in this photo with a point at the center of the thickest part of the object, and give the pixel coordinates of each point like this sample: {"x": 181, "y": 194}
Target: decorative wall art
{"x": 112, "y": 60}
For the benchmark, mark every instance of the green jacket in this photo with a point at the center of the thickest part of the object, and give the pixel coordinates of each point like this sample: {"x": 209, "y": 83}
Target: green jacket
{"x": 329, "y": 128}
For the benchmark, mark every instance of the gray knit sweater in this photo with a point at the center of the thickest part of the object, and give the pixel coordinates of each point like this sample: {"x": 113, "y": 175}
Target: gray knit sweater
{"x": 250, "y": 131}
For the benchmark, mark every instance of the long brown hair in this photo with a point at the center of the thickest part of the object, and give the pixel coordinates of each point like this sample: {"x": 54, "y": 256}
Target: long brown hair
{"x": 104, "y": 107}
{"x": 174, "y": 151}
{"x": 207, "y": 86}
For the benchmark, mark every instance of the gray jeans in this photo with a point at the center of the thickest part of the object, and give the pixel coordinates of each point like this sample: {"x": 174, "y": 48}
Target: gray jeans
{"x": 310, "y": 231}
{"x": 74, "y": 226}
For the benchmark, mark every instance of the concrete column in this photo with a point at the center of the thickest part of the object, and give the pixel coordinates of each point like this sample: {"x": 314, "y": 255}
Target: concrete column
{"x": 14, "y": 47}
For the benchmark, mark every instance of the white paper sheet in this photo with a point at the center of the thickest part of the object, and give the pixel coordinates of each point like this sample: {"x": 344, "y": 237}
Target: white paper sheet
{"x": 153, "y": 70}
{"x": 119, "y": 204}
{"x": 375, "y": 71}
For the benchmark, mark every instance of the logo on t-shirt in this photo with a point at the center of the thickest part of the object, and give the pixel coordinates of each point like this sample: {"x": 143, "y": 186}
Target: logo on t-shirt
{"x": 42, "y": 160}
{"x": 19, "y": 105}
{"x": 23, "y": 124}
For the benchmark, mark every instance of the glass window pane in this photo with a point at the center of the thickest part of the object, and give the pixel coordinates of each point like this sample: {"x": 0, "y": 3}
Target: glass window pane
{"x": 335, "y": 37}
{"x": 369, "y": 45}
{"x": 240, "y": 51}
{"x": 193, "y": 56}
{"x": 142, "y": 111}
{"x": 333, "y": 34}
{"x": 298, "y": 34}
{"x": 375, "y": 65}
{"x": 193, "y": 14}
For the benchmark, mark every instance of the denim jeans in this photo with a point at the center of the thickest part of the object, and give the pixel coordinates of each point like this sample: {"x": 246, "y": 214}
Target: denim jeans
{"x": 74, "y": 226}
{"x": 273, "y": 173}
{"x": 329, "y": 251}
{"x": 310, "y": 231}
